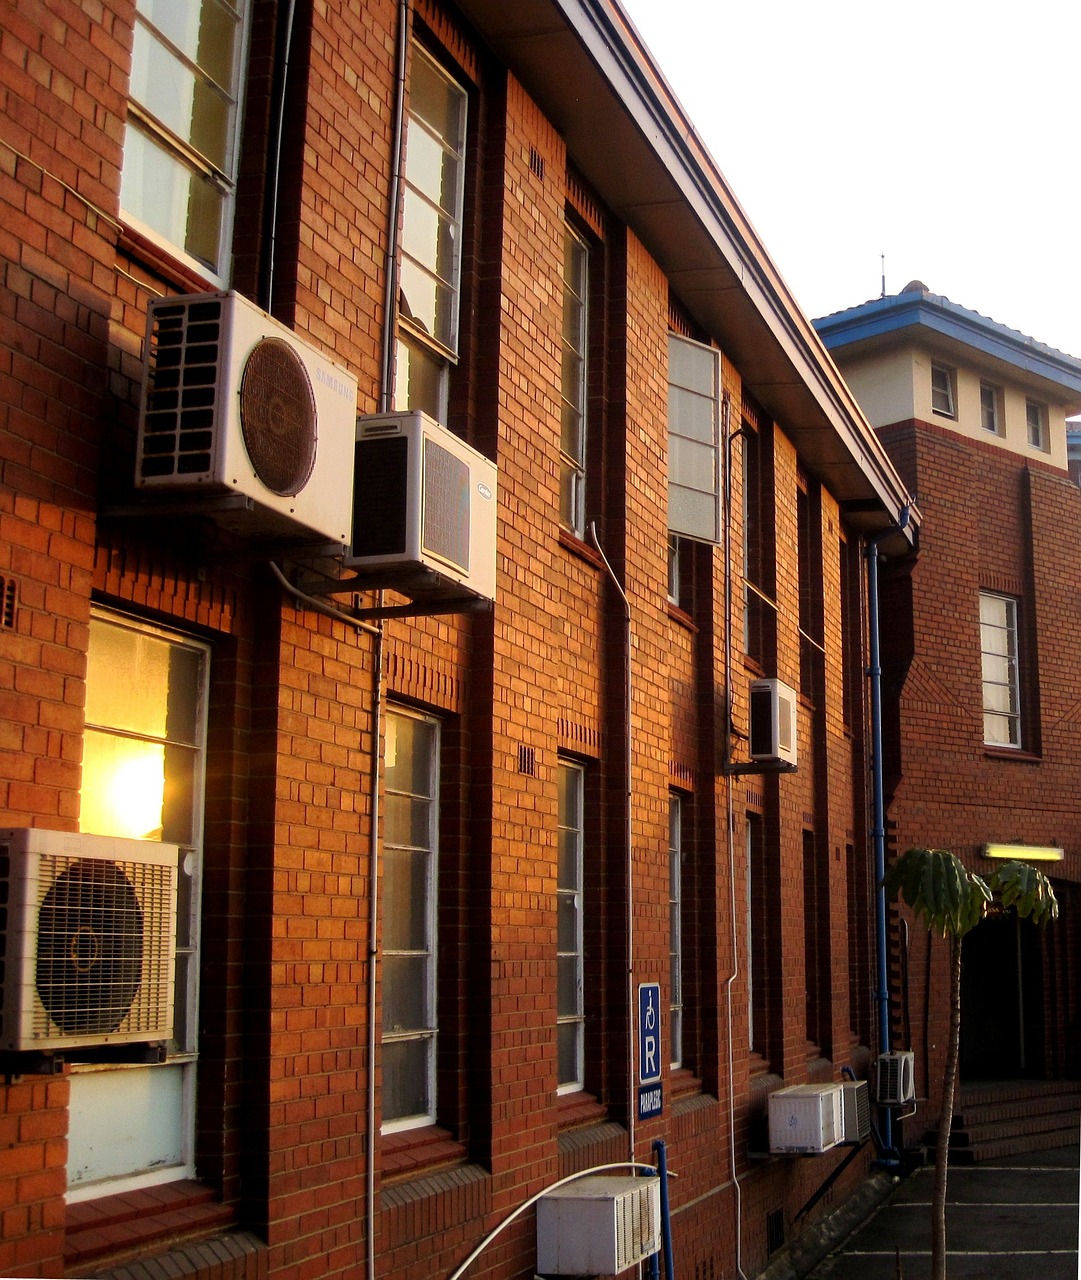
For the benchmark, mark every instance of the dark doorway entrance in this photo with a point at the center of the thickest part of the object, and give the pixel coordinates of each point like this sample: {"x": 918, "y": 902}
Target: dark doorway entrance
{"x": 1002, "y": 1000}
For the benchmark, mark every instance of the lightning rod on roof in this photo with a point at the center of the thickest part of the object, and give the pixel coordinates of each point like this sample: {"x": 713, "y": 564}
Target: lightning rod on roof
{"x": 883, "y": 257}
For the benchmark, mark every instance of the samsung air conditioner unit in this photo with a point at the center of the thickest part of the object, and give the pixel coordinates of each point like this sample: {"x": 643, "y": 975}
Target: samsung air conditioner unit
{"x": 87, "y": 940}
{"x": 238, "y": 410}
{"x": 805, "y": 1119}
{"x": 773, "y": 725}
{"x": 855, "y": 1111}
{"x": 896, "y": 1078}
{"x": 424, "y": 508}
{"x": 598, "y": 1225}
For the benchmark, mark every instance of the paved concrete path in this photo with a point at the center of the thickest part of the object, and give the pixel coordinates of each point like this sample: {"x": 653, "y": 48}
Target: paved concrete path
{"x": 1015, "y": 1219}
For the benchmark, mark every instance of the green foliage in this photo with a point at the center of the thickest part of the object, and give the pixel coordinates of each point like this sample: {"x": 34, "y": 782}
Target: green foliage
{"x": 1026, "y": 889}
{"x": 951, "y": 900}
{"x": 935, "y": 884}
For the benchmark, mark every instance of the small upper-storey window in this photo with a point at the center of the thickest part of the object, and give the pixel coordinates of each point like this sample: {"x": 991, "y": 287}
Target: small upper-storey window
{"x": 1036, "y": 418}
{"x": 181, "y": 141}
{"x": 991, "y": 408}
{"x": 943, "y": 399}
{"x": 572, "y": 447}
{"x": 694, "y": 440}
{"x": 432, "y": 211}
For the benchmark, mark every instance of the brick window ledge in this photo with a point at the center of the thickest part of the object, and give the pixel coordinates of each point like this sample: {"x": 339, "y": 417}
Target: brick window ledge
{"x": 411, "y": 1153}
{"x": 153, "y": 1219}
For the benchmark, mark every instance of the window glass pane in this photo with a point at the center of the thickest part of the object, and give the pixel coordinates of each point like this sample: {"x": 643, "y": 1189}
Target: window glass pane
{"x": 406, "y": 1077}
{"x": 692, "y": 415}
{"x": 692, "y": 366}
{"x": 204, "y": 32}
{"x": 419, "y": 380}
{"x": 408, "y": 762}
{"x": 176, "y": 96}
{"x": 405, "y": 893}
{"x": 437, "y": 101}
{"x": 142, "y": 684}
{"x": 405, "y": 993}
{"x": 568, "y": 923}
{"x": 407, "y": 820}
{"x": 179, "y": 204}
{"x": 569, "y": 1037}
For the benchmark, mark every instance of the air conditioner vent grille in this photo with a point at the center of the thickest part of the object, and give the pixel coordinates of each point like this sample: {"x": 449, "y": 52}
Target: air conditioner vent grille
{"x": 87, "y": 940}
{"x": 97, "y": 965}
{"x": 178, "y": 422}
{"x": 446, "y": 506}
{"x": 277, "y": 417}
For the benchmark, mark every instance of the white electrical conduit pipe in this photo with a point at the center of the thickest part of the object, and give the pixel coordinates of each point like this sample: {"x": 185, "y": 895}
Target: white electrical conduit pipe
{"x": 729, "y": 815}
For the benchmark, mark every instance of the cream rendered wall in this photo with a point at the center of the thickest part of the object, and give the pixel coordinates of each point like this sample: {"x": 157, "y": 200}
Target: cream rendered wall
{"x": 894, "y": 386}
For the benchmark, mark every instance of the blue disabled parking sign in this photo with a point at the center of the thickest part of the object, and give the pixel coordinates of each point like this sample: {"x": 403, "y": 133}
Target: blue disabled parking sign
{"x": 649, "y": 1049}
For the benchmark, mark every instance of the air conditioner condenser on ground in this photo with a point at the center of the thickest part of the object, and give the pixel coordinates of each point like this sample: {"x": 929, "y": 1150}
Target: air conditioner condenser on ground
{"x": 805, "y": 1119}
{"x": 236, "y": 404}
{"x": 598, "y": 1225}
{"x": 87, "y": 940}
{"x": 773, "y": 723}
{"x": 424, "y": 508}
{"x": 896, "y": 1078}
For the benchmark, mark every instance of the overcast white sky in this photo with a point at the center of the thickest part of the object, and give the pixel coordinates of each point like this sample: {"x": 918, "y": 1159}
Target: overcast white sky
{"x": 945, "y": 134}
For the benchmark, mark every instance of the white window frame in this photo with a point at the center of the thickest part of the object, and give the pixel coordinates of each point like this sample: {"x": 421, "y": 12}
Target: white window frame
{"x": 944, "y": 390}
{"x": 991, "y": 408}
{"x": 1036, "y": 425}
{"x": 425, "y": 1035}
{"x": 574, "y": 391}
{"x": 1001, "y": 677}
{"x": 570, "y": 945}
{"x": 430, "y": 209}
{"x": 218, "y": 174}
{"x": 675, "y": 926}
{"x": 121, "y": 1114}
{"x": 695, "y": 447}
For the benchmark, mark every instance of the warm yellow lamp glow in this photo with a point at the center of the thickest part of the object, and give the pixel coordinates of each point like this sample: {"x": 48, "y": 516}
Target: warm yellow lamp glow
{"x": 123, "y": 788}
{"x": 1024, "y": 852}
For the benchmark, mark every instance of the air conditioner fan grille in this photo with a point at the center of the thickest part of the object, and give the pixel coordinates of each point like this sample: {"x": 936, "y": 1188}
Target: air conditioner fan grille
{"x": 100, "y": 962}
{"x": 278, "y": 417}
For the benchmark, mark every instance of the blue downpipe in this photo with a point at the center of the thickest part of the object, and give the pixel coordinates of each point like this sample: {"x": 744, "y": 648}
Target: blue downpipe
{"x": 878, "y": 835}
{"x": 666, "y": 1212}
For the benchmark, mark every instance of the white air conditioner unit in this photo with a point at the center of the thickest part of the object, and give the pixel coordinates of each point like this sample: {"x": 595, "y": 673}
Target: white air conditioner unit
{"x": 805, "y": 1119}
{"x": 855, "y": 1111}
{"x": 896, "y": 1078}
{"x": 424, "y": 507}
{"x": 234, "y": 403}
{"x": 87, "y": 940}
{"x": 773, "y": 724}
{"x": 598, "y": 1225}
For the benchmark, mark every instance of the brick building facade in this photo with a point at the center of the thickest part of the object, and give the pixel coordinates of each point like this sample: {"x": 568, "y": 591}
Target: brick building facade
{"x": 500, "y": 216}
{"x": 982, "y": 633}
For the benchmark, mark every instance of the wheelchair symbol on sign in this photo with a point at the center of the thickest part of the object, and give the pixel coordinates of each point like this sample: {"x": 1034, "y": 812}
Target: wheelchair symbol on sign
{"x": 649, "y": 1032}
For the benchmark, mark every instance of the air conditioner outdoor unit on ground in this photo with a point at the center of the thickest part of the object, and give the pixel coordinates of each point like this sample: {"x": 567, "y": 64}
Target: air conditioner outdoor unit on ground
{"x": 896, "y": 1078}
{"x": 855, "y": 1111}
{"x": 87, "y": 942}
{"x": 805, "y": 1119}
{"x": 773, "y": 724}
{"x": 598, "y": 1225}
{"x": 424, "y": 508}
{"x": 235, "y": 404}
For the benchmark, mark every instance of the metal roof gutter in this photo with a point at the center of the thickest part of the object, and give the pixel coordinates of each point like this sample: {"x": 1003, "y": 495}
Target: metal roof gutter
{"x": 587, "y": 68}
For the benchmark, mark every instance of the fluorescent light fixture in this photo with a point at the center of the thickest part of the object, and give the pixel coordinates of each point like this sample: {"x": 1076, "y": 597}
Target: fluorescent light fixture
{"x": 1024, "y": 852}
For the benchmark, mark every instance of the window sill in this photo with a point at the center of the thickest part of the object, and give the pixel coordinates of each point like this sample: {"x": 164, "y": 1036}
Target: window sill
{"x": 116, "y": 1227}
{"x": 1011, "y": 753}
{"x": 411, "y": 1153}
{"x": 682, "y": 617}
{"x": 572, "y": 543}
{"x": 163, "y": 263}
{"x": 573, "y": 1109}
